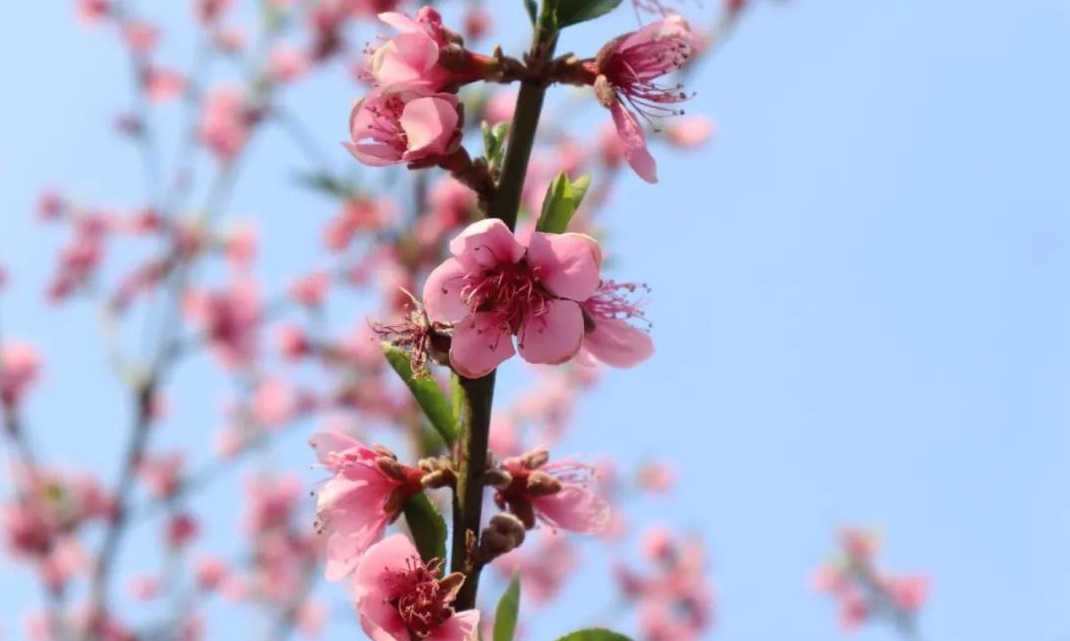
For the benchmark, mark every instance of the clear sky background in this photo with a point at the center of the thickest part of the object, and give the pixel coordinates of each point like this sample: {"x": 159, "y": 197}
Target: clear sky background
{"x": 860, "y": 302}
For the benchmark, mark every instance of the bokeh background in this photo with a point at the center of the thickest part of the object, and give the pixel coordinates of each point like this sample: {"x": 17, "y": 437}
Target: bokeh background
{"x": 860, "y": 302}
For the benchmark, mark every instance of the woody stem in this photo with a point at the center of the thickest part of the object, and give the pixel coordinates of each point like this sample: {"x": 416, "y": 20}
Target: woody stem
{"x": 472, "y": 444}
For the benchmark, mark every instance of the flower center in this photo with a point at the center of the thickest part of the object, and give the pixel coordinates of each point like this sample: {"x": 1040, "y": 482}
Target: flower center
{"x": 511, "y": 292}
{"x": 633, "y": 73}
{"x": 386, "y": 123}
{"x": 424, "y": 605}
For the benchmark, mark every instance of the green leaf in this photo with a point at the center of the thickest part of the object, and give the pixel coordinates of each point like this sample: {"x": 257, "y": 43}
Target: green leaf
{"x": 532, "y": 8}
{"x": 594, "y": 634}
{"x": 508, "y": 608}
{"x": 570, "y": 12}
{"x": 427, "y": 526}
{"x": 562, "y": 200}
{"x": 428, "y": 394}
{"x": 430, "y": 442}
{"x": 494, "y": 142}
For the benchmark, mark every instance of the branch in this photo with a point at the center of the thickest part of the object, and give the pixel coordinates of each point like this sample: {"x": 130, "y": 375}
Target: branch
{"x": 472, "y": 445}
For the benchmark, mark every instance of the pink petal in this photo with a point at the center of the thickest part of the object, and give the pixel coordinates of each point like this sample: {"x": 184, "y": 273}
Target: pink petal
{"x": 404, "y": 58}
{"x": 373, "y": 154}
{"x": 462, "y": 626}
{"x": 479, "y": 345}
{"x": 374, "y": 579}
{"x": 429, "y": 124}
{"x": 673, "y": 26}
{"x": 344, "y": 551}
{"x": 487, "y": 243}
{"x": 442, "y": 292}
{"x": 333, "y": 441}
{"x": 635, "y": 152}
{"x": 381, "y": 621}
{"x": 400, "y": 21}
{"x": 567, "y": 264}
{"x": 575, "y": 509}
{"x": 553, "y": 337}
{"x": 616, "y": 343}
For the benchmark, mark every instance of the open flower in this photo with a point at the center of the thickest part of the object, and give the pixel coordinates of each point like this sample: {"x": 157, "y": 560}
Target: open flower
{"x": 411, "y": 57}
{"x": 366, "y": 494}
{"x": 494, "y": 288}
{"x": 225, "y": 122}
{"x": 404, "y": 125}
{"x": 555, "y": 493}
{"x": 400, "y": 598}
{"x": 627, "y": 69}
{"x": 19, "y": 368}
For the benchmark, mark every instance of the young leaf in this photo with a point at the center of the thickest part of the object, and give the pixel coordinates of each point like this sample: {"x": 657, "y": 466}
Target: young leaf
{"x": 427, "y": 526}
{"x": 532, "y": 8}
{"x": 428, "y": 394}
{"x": 325, "y": 184}
{"x": 494, "y": 142}
{"x": 508, "y": 608}
{"x": 570, "y": 12}
{"x": 562, "y": 200}
{"x": 594, "y": 634}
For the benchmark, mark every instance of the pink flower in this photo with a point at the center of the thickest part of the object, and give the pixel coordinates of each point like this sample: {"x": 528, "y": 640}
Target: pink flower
{"x": 544, "y": 565}
{"x": 225, "y": 122}
{"x": 477, "y": 22}
{"x": 141, "y": 36}
{"x": 555, "y": 493}
{"x": 293, "y": 343}
{"x": 676, "y": 601}
{"x": 210, "y": 572}
{"x": 627, "y": 69}
{"x": 144, "y": 587}
{"x": 163, "y": 84}
{"x": 657, "y": 477}
{"x": 854, "y": 609}
{"x": 689, "y": 133}
{"x": 161, "y": 474}
{"x": 231, "y": 319}
{"x": 359, "y": 213}
{"x": 310, "y": 618}
{"x": 239, "y": 245}
{"x": 19, "y": 369}
{"x": 273, "y": 402}
{"x": 863, "y": 590}
{"x": 271, "y": 503}
{"x": 90, "y": 12}
{"x": 411, "y": 58}
{"x": 365, "y": 494}
{"x": 287, "y": 63}
{"x": 607, "y": 335}
{"x": 500, "y": 107}
{"x": 404, "y": 125}
{"x": 311, "y": 290}
{"x": 493, "y": 288}
{"x": 400, "y": 598}
{"x": 208, "y": 11}
{"x": 908, "y": 592}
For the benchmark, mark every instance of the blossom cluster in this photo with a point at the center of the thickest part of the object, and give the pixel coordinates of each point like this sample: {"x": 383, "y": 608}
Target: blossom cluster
{"x": 867, "y": 593}
{"x": 490, "y": 256}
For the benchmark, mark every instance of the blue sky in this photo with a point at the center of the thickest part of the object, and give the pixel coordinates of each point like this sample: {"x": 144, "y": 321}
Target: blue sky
{"x": 859, "y": 301}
